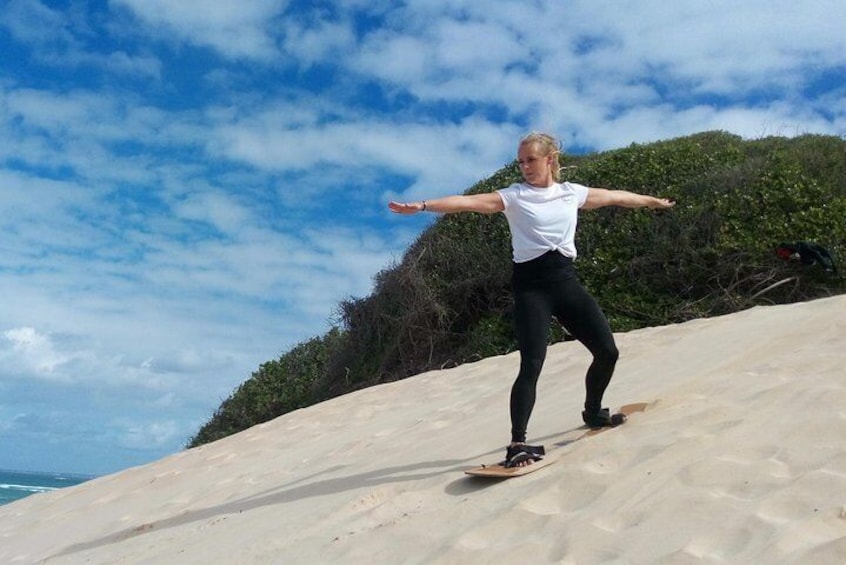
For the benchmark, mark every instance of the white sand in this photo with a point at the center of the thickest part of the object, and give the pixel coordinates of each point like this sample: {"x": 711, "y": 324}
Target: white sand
{"x": 741, "y": 458}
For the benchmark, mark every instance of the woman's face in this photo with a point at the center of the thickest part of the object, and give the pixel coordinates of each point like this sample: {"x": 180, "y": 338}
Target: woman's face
{"x": 535, "y": 167}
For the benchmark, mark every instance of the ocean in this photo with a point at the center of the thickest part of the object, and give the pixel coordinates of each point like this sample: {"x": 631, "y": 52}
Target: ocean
{"x": 15, "y": 485}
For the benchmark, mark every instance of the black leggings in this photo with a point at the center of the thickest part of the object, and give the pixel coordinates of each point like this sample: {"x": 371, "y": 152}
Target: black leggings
{"x": 546, "y": 287}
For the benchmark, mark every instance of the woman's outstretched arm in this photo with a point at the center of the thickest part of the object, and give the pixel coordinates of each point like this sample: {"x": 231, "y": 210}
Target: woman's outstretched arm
{"x": 601, "y": 197}
{"x": 485, "y": 203}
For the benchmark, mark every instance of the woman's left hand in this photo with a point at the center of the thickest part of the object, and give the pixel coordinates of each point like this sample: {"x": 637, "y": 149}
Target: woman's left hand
{"x": 661, "y": 203}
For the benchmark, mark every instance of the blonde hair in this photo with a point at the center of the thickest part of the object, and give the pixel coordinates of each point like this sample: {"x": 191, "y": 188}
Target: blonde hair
{"x": 548, "y": 145}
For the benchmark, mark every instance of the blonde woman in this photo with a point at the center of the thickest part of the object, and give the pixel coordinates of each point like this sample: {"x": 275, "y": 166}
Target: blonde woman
{"x": 542, "y": 213}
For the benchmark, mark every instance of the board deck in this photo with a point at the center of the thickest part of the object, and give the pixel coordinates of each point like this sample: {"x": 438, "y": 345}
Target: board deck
{"x": 553, "y": 454}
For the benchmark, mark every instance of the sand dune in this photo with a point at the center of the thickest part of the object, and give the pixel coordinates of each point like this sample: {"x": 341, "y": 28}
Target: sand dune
{"x": 739, "y": 458}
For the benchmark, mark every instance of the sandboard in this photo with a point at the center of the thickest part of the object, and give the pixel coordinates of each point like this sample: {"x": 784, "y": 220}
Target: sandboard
{"x": 498, "y": 470}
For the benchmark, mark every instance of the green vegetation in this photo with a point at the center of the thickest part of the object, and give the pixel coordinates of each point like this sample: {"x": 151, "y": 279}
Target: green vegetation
{"x": 448, "y": 300}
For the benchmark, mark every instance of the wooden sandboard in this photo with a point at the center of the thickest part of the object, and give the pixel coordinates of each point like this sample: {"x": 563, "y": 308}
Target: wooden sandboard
{"x": 498, "y": 470}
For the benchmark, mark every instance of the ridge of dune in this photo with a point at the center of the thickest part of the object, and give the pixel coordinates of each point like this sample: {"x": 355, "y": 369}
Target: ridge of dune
{"x": 740, "y": 457}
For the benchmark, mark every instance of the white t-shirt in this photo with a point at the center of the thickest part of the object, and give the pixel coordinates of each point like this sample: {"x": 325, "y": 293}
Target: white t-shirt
{"x": 542, "y": 219}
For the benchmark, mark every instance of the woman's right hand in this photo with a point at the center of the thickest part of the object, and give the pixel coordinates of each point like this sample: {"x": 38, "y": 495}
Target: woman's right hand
{"x": 405, "y": 208}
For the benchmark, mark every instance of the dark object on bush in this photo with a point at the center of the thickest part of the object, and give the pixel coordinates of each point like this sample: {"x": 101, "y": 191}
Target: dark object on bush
{"x": 808, "y": 254}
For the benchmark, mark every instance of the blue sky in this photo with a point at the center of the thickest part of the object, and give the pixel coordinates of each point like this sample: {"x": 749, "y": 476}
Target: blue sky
{"x": 189, "y": 188}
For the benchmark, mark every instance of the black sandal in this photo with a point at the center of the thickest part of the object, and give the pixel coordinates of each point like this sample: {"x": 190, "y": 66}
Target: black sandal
{"x": 516, "y": 454}
{"x": 603, "y": 419}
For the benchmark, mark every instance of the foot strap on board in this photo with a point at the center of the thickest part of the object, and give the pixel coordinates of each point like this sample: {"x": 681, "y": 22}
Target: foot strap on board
{"x": 520, "y": 453}
{"x": 603, "y": 419}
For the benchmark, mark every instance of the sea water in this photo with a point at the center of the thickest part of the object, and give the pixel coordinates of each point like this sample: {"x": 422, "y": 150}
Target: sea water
{"x": 15, "y": 485}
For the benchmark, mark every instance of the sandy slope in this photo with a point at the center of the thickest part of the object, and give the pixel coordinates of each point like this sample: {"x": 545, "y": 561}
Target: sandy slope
{"x": 740, "y": 458}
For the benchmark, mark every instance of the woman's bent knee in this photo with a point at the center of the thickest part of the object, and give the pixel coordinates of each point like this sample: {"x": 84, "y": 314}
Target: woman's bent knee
{"x": 608, "y": 354}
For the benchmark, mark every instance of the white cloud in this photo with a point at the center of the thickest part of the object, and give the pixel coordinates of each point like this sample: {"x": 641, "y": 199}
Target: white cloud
{"x": 147, "y": 435}
{"x": 217, "y": 208}
{"x": 61, "y": 38}
{"x": 235, "y": 29}
{"x": 25, "y": 350}
{"x": 32, "y": 22}
{"x": 310, "y": 43}
{"x": 574, "y": 67}
{"x": 29, "y": 354}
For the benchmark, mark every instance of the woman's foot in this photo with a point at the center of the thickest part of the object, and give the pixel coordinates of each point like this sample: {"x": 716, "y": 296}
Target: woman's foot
{"x": 522, "y": 455}
{"x": 602, "y": 419}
